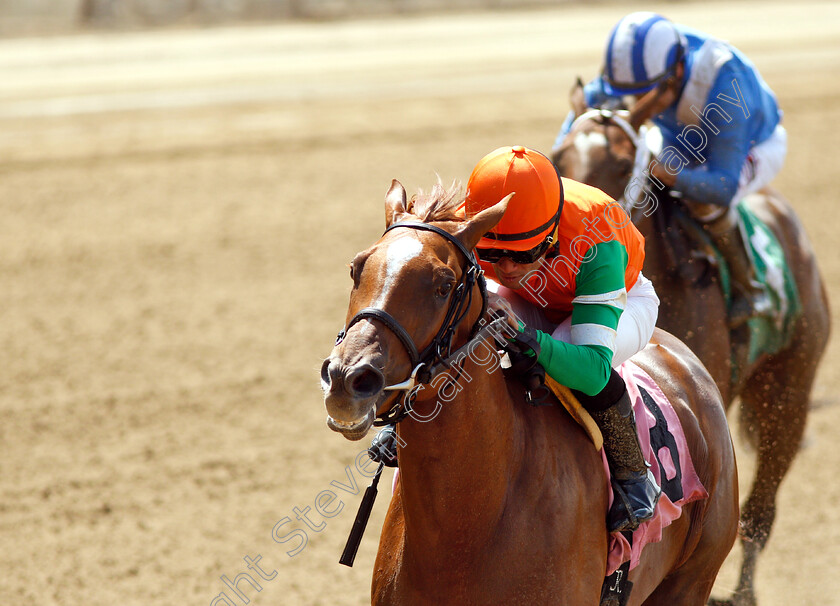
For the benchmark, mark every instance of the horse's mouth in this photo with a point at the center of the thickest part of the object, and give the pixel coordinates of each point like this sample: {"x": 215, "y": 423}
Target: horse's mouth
{"x": 352, "y": 430}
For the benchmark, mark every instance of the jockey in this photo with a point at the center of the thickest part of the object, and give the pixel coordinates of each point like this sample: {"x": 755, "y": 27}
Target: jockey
{"x": 720, "y": 124}
{"x": 565, "y": 264}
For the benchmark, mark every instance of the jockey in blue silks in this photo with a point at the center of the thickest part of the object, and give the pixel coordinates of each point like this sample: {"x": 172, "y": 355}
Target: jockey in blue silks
{"x": 720, "y": 125}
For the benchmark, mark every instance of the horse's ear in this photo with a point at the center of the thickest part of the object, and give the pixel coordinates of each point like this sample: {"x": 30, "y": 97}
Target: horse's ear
{"x": 394, "y": 203}
{"x": 577, "y": 99}
{"x": 483, "y": 222}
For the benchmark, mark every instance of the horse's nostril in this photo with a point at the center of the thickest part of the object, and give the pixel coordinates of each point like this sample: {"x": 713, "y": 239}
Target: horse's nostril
{"x": 364, "y": 382}
{"x": 325, "y": 372}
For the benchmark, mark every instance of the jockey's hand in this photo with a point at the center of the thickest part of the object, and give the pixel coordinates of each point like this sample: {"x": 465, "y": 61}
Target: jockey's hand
{"x": 660, "y": 172}
{"x": 495, "y": 303}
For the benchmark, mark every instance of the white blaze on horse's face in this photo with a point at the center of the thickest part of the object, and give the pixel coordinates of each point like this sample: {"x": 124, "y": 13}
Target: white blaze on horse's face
{"x": 399, "y": 253}
{"x": 584, "y": 142}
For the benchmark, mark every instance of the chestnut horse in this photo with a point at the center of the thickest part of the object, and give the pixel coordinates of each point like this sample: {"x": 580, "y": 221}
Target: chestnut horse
{"x": 605, "y": 149}
{"x": 499, "y": 502}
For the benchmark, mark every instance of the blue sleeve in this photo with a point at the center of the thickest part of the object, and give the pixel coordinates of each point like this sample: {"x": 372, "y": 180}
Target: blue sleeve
{"x": 564, "y": 130}
{"x": 595, "y": 94}
{"x": 715, "y": 181}
{"x": 713, "y": 174}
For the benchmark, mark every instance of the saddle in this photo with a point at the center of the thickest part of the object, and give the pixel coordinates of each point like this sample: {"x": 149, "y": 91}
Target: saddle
{"x": 692, "y": 257}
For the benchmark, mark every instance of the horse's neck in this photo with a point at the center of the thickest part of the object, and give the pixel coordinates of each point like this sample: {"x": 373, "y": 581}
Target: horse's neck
{"x": 454, "y": 469}
{"x": 476, "y": 480}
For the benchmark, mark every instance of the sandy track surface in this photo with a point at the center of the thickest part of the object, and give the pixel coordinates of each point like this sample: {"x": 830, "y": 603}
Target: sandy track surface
{"x": 178, "y": 210}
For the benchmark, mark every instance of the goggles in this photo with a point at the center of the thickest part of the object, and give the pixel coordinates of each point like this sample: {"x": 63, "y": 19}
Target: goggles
{"x": 521, "y": 257}
{"x": 645, "y": 86}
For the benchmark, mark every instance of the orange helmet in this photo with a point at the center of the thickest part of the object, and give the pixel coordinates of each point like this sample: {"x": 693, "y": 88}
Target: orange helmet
{"x": 533, "y": 213}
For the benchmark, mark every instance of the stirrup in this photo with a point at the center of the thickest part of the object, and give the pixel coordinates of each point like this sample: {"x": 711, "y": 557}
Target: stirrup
{"x": 747, "y": 306}
{"x": 634, "y": 502}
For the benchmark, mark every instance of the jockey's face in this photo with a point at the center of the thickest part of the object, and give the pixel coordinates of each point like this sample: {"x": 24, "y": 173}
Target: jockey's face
{"x": 510, "y": 273}
{"x": 663, "y": 96}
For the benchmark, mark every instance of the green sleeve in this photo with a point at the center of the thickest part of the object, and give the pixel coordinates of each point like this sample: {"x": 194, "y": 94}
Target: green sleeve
{"x": 600, "y": 296}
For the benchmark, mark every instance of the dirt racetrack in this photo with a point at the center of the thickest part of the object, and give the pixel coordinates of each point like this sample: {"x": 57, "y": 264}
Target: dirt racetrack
{"x": 178, "y": 209}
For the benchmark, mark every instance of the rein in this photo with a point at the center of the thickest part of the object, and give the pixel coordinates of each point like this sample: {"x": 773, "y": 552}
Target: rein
{"x": 643, "y": 152}
{"x": 437, "y": 356}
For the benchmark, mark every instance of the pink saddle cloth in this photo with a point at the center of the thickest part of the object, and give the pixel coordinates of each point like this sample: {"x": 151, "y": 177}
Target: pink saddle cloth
{"x": 677, "y": 478}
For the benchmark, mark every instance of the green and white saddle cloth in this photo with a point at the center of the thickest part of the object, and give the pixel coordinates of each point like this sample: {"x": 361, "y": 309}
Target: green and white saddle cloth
{"x": 771, "y": 331}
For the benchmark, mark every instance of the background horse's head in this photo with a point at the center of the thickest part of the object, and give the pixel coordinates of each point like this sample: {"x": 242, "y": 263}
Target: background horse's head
{"x": 412, "y": 279}
{"x": 601, "y": 148}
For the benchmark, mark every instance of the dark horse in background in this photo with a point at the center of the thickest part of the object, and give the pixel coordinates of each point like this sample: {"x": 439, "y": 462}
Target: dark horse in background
{"x": 500, "y": 503}
{"x": 602, "y": 150}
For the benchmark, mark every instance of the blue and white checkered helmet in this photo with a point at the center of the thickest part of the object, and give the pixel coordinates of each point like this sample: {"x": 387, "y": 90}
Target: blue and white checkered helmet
{"x": 643, "y": 50}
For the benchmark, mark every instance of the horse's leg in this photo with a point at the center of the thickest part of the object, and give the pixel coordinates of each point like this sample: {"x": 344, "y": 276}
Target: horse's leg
{"x": 686, "y": 587}
{"x": 691, "y": 583}
{"x": 776, "y": 400}
{"x": 717, "y": 521}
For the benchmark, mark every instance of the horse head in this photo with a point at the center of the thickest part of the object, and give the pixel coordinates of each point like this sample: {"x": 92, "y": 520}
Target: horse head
{"x": 415, "y": 292}
{"x": 605, "y": 148}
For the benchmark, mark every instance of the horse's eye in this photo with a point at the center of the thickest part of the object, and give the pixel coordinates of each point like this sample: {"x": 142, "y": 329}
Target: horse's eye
{"x": 444, "y": 290}
{"x": 354, "y": 274}
{"x": 357, "y": 267}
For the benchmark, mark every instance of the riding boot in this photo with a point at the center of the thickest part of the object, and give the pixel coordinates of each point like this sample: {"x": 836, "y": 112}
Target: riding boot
{"x": 749, "y": 298}
{"x": 635, "y": 489}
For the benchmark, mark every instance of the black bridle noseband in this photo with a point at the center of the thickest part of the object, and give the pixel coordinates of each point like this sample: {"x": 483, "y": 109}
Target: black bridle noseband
{"x": 438, "y": 354}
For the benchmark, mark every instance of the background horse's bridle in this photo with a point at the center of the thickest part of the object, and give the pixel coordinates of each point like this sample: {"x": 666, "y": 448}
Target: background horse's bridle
{"x": 643, "y": 152}
{"x": 438, "y": 354}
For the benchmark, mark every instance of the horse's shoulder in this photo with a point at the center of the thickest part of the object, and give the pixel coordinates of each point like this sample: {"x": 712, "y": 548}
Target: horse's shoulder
{"x": 550, "y": 431}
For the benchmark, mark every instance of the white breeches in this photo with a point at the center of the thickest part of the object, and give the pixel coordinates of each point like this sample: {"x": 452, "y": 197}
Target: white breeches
{"x": 763, "y": 163}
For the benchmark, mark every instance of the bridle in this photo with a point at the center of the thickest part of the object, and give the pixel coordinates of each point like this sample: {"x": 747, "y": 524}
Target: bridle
{"x": 642, "y": 156}
{"x": 437, "y": 356}
{"x": 434, "y": 359}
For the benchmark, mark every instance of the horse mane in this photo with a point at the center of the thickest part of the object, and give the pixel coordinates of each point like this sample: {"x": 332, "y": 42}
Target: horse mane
{"x": 439, "y": 204}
